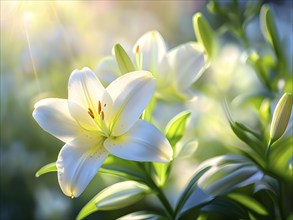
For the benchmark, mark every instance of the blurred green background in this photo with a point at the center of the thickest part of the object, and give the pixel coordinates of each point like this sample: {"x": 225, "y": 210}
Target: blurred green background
{"x": 43, "y": 41}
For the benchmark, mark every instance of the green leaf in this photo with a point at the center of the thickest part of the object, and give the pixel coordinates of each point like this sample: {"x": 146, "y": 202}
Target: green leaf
{"x": 223, "y": 179}
{"x": 249, "y": 202}
{"x": 142, "y": 215}
{"x": 147, "y": 114}
{"x": 281, "y": 161}
{"x": 51, "y": 167}
{"x": 205, "y": 35}
{"x": 162, "y": 173}
{"x": 269, "y": 28}
{"x": 119, "y": 167}
{"x": 249, "y": 137}
{"x": 117, "y": 196}
{"x": 215, "y": 177}
{"x": 176, "y": 127}
{"x": 227, "y": 207}
{"x": 189, "y": 189}
{"x": 124, "y": 62}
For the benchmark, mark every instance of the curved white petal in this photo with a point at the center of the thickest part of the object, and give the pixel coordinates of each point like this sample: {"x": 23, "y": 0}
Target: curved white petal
{"x": 54, "y": 117}
{"x": 85, "y": 89}
{"x": 143, "y": 142}
{"x": 108, "y": 70}
{"x": 186, "y": 64}
{"x": 77, "y": 166}
{"x": 164, "y": 74}
{"x": 153, "y": 48}
{"x": 130, "y": 95}
{"x": 82, "y": 116}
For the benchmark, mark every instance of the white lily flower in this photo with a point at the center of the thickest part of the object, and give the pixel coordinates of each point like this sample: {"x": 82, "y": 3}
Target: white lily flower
{"x": 175, "y": 70}
{"x": 95, "y": 120}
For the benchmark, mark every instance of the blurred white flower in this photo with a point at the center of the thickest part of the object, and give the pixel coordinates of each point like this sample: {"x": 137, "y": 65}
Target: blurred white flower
{"x": 175, "y": 70}
{"x": 95, "y": 121}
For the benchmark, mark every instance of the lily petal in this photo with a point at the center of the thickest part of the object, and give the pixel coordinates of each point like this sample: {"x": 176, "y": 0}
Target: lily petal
{"x": 82, "y": 116}
{"x": 130, "y": 95}
{"x": 143, "y": 142}
{"x": 85, "y": 89}
{"x": 77, "y": 166}
{"x": 108, "y": 70}
{"x": 54, "y": 117}
{"x": 153, "y": 48}
{"x": 187, "y": 64}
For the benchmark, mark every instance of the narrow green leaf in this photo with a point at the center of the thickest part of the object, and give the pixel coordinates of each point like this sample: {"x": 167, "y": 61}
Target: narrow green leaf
{"x": 269, "y": 28}
{"x": 147, "y": 114}
{"x": 227, "y": 207}
{"x": 245, "y": 128}
{"x": 281, "y": 161}
{"x": 116, "y": 196}
{"x": 142, "y": 215}
{"x": 255, "y": 144}
{"x": 176, "y": 127}
{"x": 189, "y": 189}
{"x": 124, "y": 62}
{"x": 51, "y": 167}
{"x": 88, "y": 209}
{"x": 205, "y": 34}
{"x": 249, "y": 202}
{"x": 161, "y": 170}
{"x": 119, "y": 167}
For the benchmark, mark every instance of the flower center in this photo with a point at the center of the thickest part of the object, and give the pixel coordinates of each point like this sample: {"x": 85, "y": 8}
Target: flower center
{"x": 100, "y": 120}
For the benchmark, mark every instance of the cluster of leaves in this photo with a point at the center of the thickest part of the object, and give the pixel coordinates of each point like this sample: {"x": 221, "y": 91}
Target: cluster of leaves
{"x": 249, "y": 185}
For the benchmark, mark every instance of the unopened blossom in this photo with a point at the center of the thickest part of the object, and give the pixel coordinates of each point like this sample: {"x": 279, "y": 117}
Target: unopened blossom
{"x": 95, "y": 121}
{"x": 281, "y": 117}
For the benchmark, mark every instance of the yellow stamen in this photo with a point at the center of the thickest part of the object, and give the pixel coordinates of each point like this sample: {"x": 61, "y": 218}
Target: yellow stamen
{"x": 90, "y": 112}
{"x": 99, "y": 107}
{"x": 137, "y": 49}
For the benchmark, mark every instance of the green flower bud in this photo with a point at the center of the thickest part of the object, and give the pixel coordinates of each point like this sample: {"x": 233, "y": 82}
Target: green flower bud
{"x": 116, "y": 196}
{"x": 205, "y": 35}
{"x": 281, "y": 117}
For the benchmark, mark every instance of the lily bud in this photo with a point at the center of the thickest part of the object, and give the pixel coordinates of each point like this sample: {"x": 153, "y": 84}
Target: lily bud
{"x": 281, "y": 117}
{"x": 121, "y": 195}
{"x": 116, "y": 196}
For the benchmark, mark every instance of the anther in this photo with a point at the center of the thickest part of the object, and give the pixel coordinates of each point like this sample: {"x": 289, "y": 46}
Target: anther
{"x": 99, "y": 107}
{"x": 90, "y": 112}
{"x": 102, "y": 115}
{"x": 137, "y": 49}
{"x": 105, "y": 105}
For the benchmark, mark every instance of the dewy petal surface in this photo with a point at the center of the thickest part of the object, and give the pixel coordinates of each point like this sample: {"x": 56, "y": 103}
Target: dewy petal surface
{"x": 143, "y": 142}
{"x": 153, "y": 49}
{"x": 54, "y": 117}
{"x": 130, "y": 95}
{"x": 85, "y": 89}
{"x": 77, "y": 166}
{"x": 186, "y": 64}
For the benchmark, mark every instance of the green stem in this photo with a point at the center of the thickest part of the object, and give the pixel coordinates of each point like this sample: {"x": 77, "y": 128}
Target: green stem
{"x": 160, "y": 194}
{"x": 281, "y": 200}
{"x": 164, "y": 200}
{"x": 267, "y": 154}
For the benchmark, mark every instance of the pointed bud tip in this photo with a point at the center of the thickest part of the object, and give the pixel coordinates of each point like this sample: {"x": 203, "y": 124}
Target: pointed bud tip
{"x": 281, "y": 117}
